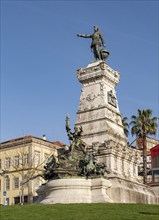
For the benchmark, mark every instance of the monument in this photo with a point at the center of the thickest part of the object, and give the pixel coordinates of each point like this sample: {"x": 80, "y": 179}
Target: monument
{"x": 98, "y": 166}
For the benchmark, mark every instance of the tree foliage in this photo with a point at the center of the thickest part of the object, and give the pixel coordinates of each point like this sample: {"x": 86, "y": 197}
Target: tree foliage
{"x": 143, "y": 125}
{"x": 125, "y": 126}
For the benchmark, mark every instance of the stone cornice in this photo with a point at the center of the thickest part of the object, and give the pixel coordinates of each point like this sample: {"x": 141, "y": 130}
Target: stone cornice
{"x": 97, "y": 71}
{"x": 108, "y": 132}
{"x": 101, "y": 107}
{"x": 118, "y": 150}
{"x": 99, "y": 119}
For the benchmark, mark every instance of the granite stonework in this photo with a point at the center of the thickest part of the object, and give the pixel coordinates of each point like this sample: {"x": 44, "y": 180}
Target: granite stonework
{"x": 98, "y": 111}
{"x": 99, "y": 115}
{"x": 74, "y": 190}
{"x": 97, "y": 190}
{"x": 130, "y": 191}
{"x": 100, "y": 118}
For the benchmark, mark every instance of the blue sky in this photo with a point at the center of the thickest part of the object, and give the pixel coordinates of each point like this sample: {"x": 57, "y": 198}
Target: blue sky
{"x": 40, "y": 54}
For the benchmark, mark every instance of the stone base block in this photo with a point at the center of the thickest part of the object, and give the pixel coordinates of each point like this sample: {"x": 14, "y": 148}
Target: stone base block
{"x": 77, "y": 190}
{"x": 99, "y": 190}
{"x": 127, "y": 191}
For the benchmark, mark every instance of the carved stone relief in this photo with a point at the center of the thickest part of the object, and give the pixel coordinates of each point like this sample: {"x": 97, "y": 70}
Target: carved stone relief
{"x": 112, "y": 99}
{"x": 95, "y": 146}
{"x": 91, "y": 97}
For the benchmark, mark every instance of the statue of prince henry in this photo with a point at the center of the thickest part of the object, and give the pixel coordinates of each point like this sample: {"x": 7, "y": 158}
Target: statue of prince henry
{"x": 97, "y": 40}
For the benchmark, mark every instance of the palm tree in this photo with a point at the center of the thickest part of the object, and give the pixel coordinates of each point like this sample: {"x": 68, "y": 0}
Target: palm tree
{"x": 142, "y": 125}
{"x": 125, "y": 126}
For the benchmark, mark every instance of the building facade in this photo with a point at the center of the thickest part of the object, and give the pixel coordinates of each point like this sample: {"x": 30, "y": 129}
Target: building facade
{"x": 155, "y": 157}
{"x": 151, "y": 142}
{"x": 21, "y": 160}
{"x": 155, "y": 166}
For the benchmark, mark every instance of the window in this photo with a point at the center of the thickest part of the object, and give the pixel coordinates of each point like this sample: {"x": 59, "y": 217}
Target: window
{"x": 16, "y": 160}
{"x": 26, "y": 159}
{"x": 7, "y": 201}
{"x": 37, "y": 158}
{"x": 7, "y": 162}
{"x": 17, "y": 200}
{"x": 16, "y": 183}
{"x": 156, "y": 161}
{"x": 148, "y": 158}
{"x": 7, "y": 183}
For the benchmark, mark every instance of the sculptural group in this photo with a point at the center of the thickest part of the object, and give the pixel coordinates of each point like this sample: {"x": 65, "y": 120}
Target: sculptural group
{"x": 73, "y": 160}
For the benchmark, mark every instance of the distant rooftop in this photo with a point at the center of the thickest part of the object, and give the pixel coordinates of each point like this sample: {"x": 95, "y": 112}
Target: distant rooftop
{"x": 57, "y": 143}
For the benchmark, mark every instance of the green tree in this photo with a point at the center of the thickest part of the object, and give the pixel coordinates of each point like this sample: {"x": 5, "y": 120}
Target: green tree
{"x": 125, "y": 126}
{"x": 143, "y": 125}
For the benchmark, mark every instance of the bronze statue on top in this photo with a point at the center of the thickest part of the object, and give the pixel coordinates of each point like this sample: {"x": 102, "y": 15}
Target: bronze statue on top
{"x": 97, "y": 40}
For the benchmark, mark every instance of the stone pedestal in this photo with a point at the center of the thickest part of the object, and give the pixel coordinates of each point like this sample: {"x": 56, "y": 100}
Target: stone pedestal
{"x": 99, "y": 115}
{"x": 74, "y": 190}
{"x": 98, "y": 190}
{"x": 130, "y": 191}
{"x": 119, "y": 159}
{"x": 98, "y": 111}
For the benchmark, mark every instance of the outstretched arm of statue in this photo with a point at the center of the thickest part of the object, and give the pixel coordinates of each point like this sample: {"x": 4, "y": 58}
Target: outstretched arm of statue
{"x": 68, "y": 129}
{"x": 84, "y": 35}
{"x": 70, "y": 135}
{"x": 68, "y": 124}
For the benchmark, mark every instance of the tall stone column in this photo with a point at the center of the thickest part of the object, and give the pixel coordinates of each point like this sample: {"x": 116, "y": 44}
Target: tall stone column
{"x": 98, "y": 111}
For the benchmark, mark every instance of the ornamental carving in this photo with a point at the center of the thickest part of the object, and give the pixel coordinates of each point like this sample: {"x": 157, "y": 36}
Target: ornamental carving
{"x": 91, "y": 97}
{"x": 102, "y": 66}
{"x": 112, "y": 99}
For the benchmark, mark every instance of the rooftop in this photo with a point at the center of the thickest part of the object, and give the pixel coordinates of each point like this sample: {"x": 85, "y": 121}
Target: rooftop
{"x": 29, "y": 137}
